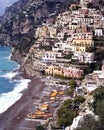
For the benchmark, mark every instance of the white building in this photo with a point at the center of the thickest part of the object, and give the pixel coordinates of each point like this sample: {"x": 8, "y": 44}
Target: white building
{"x": 51, "y": 56}
{"x": 60, "y": 35}
{"x": 91, "y": 86}
{"x": 97, "y": 17}
{"x": 88, "y": 20}
{"x": 63, "y": 46}
{"x": 82, "y": 35}
{"x": 86, "y": 57}
{"x": 98, "y": 32}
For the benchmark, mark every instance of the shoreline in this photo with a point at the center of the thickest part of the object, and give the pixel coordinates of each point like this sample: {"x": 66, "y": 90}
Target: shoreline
{"x": 15, "y": 115}
{"x": 20, "y": 83}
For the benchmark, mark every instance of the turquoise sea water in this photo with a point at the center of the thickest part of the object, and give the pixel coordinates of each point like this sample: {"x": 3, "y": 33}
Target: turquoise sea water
{"x": 10, "y": 90}
{"x": 6, "y": 66}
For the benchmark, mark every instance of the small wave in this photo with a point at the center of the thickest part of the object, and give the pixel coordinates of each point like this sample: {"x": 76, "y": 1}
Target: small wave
{"x": 23, "y": 84}
{"x": 9, "y": 75}
{"x": 8, "y": 99}
{"x": 8, "y": 57}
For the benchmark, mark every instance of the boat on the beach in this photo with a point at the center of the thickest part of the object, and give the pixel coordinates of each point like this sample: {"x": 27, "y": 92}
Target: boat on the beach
{"x": 53, "y": 94}
{"x": 38, "y": 115}
{"x": 44, "y": 107}
{"x": 34, "y": 116}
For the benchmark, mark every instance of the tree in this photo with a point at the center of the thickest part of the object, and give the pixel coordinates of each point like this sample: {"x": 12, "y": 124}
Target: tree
{"x": 72, "y": 84}
{"x": 65, "y": 114}
{"x": 98, "y": 105}
{"x": 79, "y": 99}
{"x": 98, "y": 95}
{"x": 67, "y": 103}
{"x": 70, "y": 92}
{"x": 100, "y": 111}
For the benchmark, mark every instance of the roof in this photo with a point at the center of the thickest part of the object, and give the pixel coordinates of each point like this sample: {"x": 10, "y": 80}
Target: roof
{"x": 101, "y": 76}
{"x": 84, "y": 33}
{"x": 83, "y": 39}
{"x": 97, "y": 72}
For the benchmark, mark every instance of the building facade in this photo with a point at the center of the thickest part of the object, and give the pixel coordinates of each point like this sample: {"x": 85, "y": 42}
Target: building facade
{"x": 73, "y": 72}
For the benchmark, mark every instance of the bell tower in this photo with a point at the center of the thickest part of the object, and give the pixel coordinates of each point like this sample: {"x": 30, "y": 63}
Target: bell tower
{"x": 83, "y": 4}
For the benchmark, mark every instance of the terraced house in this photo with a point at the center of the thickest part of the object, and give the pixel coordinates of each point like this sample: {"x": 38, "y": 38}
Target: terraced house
{"x": 73, "y": 72}
{"x": 53, "y": 70}
{"x": 82, "y": 44}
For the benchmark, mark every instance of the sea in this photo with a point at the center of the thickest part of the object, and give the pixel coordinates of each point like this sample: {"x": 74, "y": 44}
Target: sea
{"x": 10, "y": 87}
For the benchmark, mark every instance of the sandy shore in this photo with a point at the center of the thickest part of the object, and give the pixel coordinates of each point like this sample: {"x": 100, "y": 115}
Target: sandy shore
{"x": 14, "y": 117}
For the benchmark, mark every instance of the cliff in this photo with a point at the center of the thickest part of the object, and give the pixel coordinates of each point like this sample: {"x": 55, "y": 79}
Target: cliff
{"x": 18, "y": 24}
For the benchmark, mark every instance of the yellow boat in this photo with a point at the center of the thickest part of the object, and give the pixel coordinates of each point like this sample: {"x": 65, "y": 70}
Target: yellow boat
{"x": 61, "y": 93}
{"x": 53, "y": 94}
{"x": 44, "y": 107}
{"x": 34, "y": 116}
{"x": 39, "y": 112}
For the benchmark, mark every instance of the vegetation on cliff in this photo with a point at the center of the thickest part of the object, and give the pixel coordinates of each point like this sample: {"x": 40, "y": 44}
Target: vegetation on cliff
{"x": 90, "y": 122}
{"x": 69, "y": 110}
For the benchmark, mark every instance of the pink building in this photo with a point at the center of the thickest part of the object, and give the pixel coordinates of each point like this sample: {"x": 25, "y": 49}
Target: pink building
{"x": 73, "y": 72}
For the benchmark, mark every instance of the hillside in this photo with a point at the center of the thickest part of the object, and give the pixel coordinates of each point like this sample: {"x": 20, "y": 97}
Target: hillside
{"x": 20, "y": 21}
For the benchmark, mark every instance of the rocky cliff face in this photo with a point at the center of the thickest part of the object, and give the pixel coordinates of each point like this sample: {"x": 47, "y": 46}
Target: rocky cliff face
{"x": 18, "y": 25}
{"x": 20, "y": 21}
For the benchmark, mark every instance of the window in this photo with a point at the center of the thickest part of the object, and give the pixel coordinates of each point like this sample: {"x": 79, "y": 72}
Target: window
{"x": 59, "y": 69}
